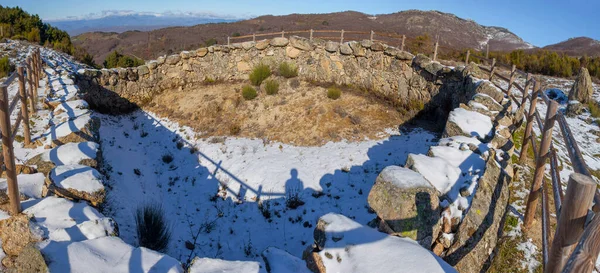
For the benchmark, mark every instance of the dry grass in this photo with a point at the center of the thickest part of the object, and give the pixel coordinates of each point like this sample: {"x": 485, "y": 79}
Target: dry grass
{"x": 303, "y": 116}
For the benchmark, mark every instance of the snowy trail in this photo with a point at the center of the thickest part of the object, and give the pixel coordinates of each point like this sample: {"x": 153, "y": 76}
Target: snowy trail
{"x": 224, "y": 202}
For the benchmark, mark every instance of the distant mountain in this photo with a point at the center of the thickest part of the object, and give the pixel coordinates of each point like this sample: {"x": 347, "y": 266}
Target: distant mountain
{"x": 453, "y": 32}
{"x": 121, "y": 21}
{"x": 578, "y": 46}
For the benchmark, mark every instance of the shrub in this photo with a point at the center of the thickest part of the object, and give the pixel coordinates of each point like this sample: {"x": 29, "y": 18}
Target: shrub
{"x": 153, "y": 230}
{"x": 288, "y": 70}
{"x": 259, "y": 74}
{"x": 248, "y": 92}
{"x": 167, "y": 158}
{"x": 271, "y": 87}
{"x": 334, "y": 93}
{"x": 594, "y": 109}
{"x": 5, "y": 67}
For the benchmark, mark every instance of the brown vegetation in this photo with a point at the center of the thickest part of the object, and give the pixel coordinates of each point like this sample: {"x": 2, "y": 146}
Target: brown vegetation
{"x": 302, "y": 116}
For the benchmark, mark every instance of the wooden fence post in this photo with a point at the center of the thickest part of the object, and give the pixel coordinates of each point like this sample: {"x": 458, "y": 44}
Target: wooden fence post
{"x": 492, "y": 68}
{"x": 525, "y": 92}
{"x": 487, "y": 51}
{"x": 253, "y": 37}
{"x": 228, "y": 42}
{"x": 583, "y": 258}
{"x": 372, "y": 34}
{"x": 36, "y": 80}
{"x": 282, "y": 34}
{"x": 529, "y": 125}
{"x": 31, "y": 86}
{"x": 467, "y": 58}
{"x": 402, "y": 46}
{"x": 342, "y": 37}
{"x": 513, "y": 70}
{"x": 571, "y": 221}
{"x": 311, "y": 34}
{"x": 9, "y": 156}
{"x": 540, "y": 165}
{"x": 435, "y": 51}
{"x": 24, "y": 112}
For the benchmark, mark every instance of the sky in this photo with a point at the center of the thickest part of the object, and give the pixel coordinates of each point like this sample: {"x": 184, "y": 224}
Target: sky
{"x": 540, "y": 22}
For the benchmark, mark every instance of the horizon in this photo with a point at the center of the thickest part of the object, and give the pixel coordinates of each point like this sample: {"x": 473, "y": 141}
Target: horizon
{"x": 532, "y": 27}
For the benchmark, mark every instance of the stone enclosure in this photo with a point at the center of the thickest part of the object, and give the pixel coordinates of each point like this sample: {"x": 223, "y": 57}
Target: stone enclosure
{"x": 464, "y": 242}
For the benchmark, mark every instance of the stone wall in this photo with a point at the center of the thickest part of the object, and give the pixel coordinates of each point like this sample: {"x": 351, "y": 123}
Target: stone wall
{"x": 367, "y": 65}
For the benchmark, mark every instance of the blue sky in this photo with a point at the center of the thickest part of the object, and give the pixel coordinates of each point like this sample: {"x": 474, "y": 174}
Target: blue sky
{"x": 540, "y": 22}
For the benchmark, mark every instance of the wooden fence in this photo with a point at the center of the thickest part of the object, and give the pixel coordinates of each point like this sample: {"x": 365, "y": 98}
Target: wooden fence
{"x": 338, "y": 35}
{"x": 572, "y": 206}
{"x": 28, "y": 76}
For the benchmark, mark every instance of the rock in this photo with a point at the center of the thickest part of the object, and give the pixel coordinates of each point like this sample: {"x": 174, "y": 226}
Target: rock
{"x": 186, "y": 55}
{"x": 366, "y": 43}
{"x": 406, "y": 56}
{"x": 22, "y": 169}
{"x": 81, "y": 129}
{"x": 84, "y": 153}
{"x": 474, "y": 70}
{"x": 574, "y": 108}
{"x": 407, "y": 203}
{"x": 477, "y": 235}
{"x": 345, "y": 49}
{"x": 151, "y": 65}
{"x": 143, "y": 70}
{"x": 279, "y": 42}
{"x": 277, "y": 260}
{"x": 292, "y": 52}
{"x": 262, "y": 44}
{"x": 332, "y": 46}
{"x": 15, "y": 234}
{"x": 77, "y": 182}
{"x": 201, "y": 52}
{"x": 160, "y": 60}
{"x": 464, "y": 191}
{"x": 437, "y": 249}
{"x": 377, "y": 46}
{"x": 173, "y": 59}
{"x": 313, "y": 260}
{"x": 425, "y": 63}
{"x": 199, "y": 265}
{"x": 488, "y": 88}
{"x": 582, "y": 89}
{"x": 248, "y": 45}
{"x": 301, "y": 43}
{"x": 243, "y": 66}
{"x": 357, "y": 49}
{"x": 462, "y": 122}
{"x": 30, "y": 260}
{"x": 487, "y": 101}
{"x": 445, "y": 240}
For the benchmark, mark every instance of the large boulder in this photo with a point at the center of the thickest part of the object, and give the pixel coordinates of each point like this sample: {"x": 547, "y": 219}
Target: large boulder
{"x": 301, "y": 43}
{"x": 15, "y": 233}
{"x": 488, "y": 102}
{"x": 279, "y": 41}
{"x": 462, "y": 122}
{"x": 582, "y": 89}
{"x": 407, "y": 203}
{"x": 477, "y": 235}
{"x": 423, "y": 62}
{"x": 77, "y": 182}
{"x": 345, "y": 49}
{"x": 331, "y": 46}
{"x": 349, "y": 247}
{"x": 357, "y": 49}
{"x": 488, "y": 88}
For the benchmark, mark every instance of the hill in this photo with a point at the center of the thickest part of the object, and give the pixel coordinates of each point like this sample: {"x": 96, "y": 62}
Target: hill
{"x": 453, "y": 32}
{"x": 578, "y": 46}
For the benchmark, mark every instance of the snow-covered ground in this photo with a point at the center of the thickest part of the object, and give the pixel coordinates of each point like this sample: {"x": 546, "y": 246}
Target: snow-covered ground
{"x": 233, "y": 191}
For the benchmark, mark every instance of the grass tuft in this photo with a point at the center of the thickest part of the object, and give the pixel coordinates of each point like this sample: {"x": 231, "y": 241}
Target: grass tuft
{"x": 334, "y": 93}
{"x": 288, "y": 70}
{"x": 594, "y": 109}
{"x": 271, "y": 87}
{"x": 260, "y": 73}
{"x": 248, "y": 92}
{"x": 153, "y": 230}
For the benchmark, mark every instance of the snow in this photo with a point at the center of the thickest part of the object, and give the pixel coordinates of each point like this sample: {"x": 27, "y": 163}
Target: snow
{"x": 105, "y": 254}
{"x": 282, "y": 262}
{"x": 351, "y": 247}
{"x": 77, "y": 177}
{"x": 30, "y": 185}
{"x": 206, "y": 265}
{"x": 438, "y": 171}
{"x": 53, "y": 213}
{"x": 66, "y": 128}
{"x": 403, "y": 177}
{"x": 472, "y": 123}
{"x": 71, "y": 106}
{"x": 466, "y": 160}
{"x": 85, "y": 231}
{"x": 218, "y": 185}
{"x": 71, "y": 153}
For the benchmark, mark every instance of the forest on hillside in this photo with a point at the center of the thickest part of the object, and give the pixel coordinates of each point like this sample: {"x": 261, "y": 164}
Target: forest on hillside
{"x": 17, "y": 24}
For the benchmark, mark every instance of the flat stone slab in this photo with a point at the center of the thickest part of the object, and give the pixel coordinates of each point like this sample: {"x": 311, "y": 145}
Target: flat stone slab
{"x": 78, "y": 182}
{"x": 105, "y": 254}
{"x": 84, "y": 153}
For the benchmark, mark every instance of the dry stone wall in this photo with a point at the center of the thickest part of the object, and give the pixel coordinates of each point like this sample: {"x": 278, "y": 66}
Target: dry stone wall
{"x": 385, "y": 70}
